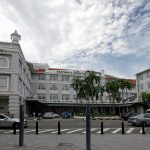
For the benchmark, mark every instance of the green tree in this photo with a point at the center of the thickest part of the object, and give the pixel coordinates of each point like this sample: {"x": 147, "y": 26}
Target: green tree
{"x": 146, "y": 99}
{"x": 88, "y": 89}
{"x": 124, "y": 85}
{"x": 112, "y": 88}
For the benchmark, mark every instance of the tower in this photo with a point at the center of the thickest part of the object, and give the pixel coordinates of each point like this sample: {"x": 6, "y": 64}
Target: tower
{"x": 15, "y": 37}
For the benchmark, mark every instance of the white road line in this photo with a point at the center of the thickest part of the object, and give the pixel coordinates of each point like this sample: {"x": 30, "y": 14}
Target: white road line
{"x": 130, "y": 130}
{"x": 2, "y": 131}
{"x": 91, "y": 130}
{"x": 46, "y": 130}
{"x": 141, "y": 130}
{"x": 75, "y": 131}
{"x": 60, "y": 130}
{"x": 105, "y": 129}
{"x": 10, "y": 131}
{"x": 29, "y": 131}
{"x": 117, "y": 130}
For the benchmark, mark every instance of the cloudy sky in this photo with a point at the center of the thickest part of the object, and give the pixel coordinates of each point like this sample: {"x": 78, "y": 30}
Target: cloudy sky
{"x": 113, "y": 35}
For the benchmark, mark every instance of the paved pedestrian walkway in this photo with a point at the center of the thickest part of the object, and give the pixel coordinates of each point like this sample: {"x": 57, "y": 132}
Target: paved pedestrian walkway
{"x": 75, "y": 142}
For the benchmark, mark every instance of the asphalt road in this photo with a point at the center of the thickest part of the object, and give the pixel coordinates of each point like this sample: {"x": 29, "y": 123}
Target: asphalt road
{"x": 76, "y": 123}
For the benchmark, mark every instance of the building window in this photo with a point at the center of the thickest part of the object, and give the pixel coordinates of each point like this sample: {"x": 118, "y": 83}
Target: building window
{"x": 65, "y": 87}
{"x": 41, "y": 96}
{"x": 41, "y": 86}
{"x": 148, "y": 85}
{"x": 53, "y": 77}
{"x": 20, "y": 67}
{"x": 75, "y": 97}
{"x": 148, "y": 74}
{"x": 141, "y": 86}
{"x": 53, "y": 87}
{"x": 54, "y": 97}
{"x": 65, "y": 78}
{"x": 4, "y": 83}
{"x": 4, "y": 62}
{"x": 41, "y": 77}
{"x": 141, "y": 77}
{"x": 65, "y": 97}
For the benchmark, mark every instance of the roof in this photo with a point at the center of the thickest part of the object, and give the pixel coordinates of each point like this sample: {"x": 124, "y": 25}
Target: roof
{"x": 56, "y": 69}
{"x": 144, "y": 71}
{"x": 39, "y": 70}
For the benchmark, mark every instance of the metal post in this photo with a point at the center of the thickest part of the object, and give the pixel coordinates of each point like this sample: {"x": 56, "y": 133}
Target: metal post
{"x": 37, "y": 128}
{"x": 88, "y": 127}
{"x": 102, "y": 132}
{"x": 123, "y": 128}
{"x": 14, "y": 128}
{"x": 59, "y": 128}
{"x": 143, "y": 128}
{"x": 21, "y": 126}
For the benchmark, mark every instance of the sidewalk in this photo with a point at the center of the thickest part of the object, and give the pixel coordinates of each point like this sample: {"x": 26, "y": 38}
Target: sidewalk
{"x": 75, "y": 142}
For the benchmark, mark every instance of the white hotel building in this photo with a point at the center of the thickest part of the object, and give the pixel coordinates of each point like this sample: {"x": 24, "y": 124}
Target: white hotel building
{"x": 43, "y": 89}
{"x": 143, "y": 82}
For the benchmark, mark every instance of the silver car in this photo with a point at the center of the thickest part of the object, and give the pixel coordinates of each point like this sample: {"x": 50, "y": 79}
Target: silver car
{"x": 141, "y": 119}
{"x": 50, "y": 115}
{"x": 6, "y": 121}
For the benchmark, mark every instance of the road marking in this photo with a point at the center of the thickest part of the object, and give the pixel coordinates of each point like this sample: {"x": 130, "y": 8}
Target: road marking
{"x": 75, "y": 131}
{"x": 117, "y": 130}
{"x": 141, "y": 130}
{"x": 60, "y": 130}
{"x": 105, "y": 129}
{"x": 29, "y": 131}
{"x": 10, "y": 131}
{"x": 130, "y": 130}
{"x": 46, "y": 130}
{"x": 91, "y": 130}
{"x": 2, "y": 131}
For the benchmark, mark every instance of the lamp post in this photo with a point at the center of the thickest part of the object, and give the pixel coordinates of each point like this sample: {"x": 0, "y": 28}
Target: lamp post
{"x": 88, "y": 126}
{"x": 21, "y": 125}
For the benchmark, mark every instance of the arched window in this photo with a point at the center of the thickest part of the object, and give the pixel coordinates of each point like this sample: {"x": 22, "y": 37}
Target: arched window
{"x": 4, "y": 62}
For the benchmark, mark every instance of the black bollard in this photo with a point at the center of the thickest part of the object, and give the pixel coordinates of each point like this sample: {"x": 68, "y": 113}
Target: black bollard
{"x": 37, "y": 128}
{"x": 122, "y": 128}
{"x": 143, "y": 128}
{"x": 21, "y": 126}
{"x": 102, "y": 132}
{"x": 14, "y": 128}
{"x": 59, "y": 128}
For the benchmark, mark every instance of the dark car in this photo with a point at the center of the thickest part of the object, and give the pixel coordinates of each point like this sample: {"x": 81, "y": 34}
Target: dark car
{"x": 125, "y": 116}
{"x": 66, "y": 114}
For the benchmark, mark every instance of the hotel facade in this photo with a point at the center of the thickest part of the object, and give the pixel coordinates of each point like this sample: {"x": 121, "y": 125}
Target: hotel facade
{"x": 43, "y": 89}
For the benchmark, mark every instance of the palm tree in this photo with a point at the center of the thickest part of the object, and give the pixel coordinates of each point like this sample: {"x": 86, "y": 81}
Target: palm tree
{"x": 87, "y": 89}
{"x": 124, "y": 84}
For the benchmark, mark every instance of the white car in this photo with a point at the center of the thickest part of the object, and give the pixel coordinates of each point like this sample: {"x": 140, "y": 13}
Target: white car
{"x": 6, "y": 121}
{"x": 50, "y": 115}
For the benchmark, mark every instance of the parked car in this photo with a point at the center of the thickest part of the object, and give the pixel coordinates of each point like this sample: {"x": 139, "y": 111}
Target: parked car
{"x": 6, "y": 121}
{"x": 50, "y": 115}
{"x": 66, "y": 114}
{"x": 139, "y": 120}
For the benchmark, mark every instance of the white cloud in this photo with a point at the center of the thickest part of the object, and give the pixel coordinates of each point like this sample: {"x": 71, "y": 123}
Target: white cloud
{"x": 58, "y": 31}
